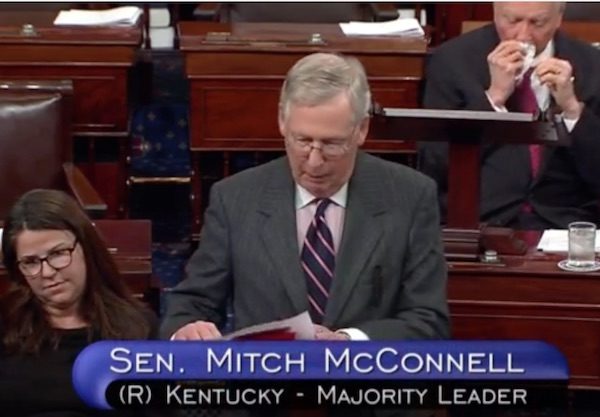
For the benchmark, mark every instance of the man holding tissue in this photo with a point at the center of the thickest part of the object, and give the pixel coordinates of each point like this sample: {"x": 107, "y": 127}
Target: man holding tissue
{"x": 524, "y": 63}
{"x": 328, "y": 229}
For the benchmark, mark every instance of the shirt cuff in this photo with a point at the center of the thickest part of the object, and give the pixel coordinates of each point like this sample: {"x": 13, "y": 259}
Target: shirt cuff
{"x": 355, "y": 334}
{"x": 570, "y": 123}
{"x": 501, "y": 109}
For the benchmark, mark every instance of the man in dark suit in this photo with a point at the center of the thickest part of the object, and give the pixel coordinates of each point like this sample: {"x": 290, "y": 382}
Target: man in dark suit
{"x": 524, "y": 186}
{"x": 368, "y": 265}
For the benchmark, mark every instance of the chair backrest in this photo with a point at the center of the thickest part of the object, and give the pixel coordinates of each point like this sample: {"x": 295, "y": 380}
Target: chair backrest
{"x": 582, "y": 11}
{"x": 35, "y": 137}
{"x": 296, "y": 12}
{"x": 470, "y": 25}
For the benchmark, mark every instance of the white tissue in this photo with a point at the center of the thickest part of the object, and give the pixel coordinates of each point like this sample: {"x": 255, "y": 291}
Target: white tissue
{"x": 529, "y": 50}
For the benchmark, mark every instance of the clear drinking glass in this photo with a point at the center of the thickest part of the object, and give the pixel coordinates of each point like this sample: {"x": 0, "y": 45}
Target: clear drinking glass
{"x": 582, "y": 244}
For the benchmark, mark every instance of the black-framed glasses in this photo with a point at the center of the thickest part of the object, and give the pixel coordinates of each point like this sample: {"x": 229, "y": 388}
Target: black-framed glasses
{"x": 31, "y": 266}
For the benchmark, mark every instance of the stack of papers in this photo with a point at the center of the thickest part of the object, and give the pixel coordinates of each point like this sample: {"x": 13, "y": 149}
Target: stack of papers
{"x": 162, "y": 38}
{"x": 556, "y": 240}
{"x": 162, "y": 35}
{"x": 410, "y": 13}
{"x": 399, "y": 27}
{"x": 120, "y": 16}
{"x": 159, "y": 17}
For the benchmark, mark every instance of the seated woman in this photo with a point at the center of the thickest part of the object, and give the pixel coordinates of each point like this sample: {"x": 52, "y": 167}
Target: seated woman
{"x": 66, "y": 293}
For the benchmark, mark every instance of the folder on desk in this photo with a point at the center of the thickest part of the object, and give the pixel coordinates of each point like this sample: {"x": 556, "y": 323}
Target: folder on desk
{"x": 557, "y": 240}
{"x": 400, "y": 27}
{"x": 118, "y": 16}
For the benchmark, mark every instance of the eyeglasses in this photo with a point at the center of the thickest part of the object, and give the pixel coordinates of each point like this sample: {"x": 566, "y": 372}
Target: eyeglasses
{"x": 58, "y": 259}
{"x": 328, "y": 148}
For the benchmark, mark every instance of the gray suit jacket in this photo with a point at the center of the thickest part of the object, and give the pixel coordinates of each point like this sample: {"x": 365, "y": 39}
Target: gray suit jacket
{"x": 390, "y": 277}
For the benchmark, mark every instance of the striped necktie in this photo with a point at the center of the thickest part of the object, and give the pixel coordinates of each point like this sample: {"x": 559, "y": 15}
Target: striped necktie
{"x": 318, "y": 262}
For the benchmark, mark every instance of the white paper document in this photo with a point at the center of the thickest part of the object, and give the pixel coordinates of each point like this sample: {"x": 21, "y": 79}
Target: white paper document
{"x": 410, "y": 13}
{"x": 119, "y": 16}
{"x": 162, "y": 38}
{"x": 557, "y": 240}
{"x": 301, "y": 325}
{"x": 399, "y": 27}
{"x": 159, "y": 17}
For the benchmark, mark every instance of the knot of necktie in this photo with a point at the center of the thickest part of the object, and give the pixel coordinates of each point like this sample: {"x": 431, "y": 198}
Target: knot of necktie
{"x": 322, "y": 205}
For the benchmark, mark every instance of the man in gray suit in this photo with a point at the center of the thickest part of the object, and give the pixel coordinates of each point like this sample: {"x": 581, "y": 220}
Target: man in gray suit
{"x": 368, "y": 265}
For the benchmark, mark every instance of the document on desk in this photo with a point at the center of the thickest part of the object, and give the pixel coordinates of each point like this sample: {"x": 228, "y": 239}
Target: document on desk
{"x": 557, "y": 240}
{"x": 118, "y": 16}
{"x": 400, "y": 27}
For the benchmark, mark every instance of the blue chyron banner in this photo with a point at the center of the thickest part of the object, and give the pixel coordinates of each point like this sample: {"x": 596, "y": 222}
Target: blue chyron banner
{"x": 111, "y": 374}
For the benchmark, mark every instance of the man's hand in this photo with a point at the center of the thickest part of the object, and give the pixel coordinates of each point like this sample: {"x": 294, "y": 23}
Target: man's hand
{"x": 323, "y": 333}
{"x": 557, "y": 74}
{"x": 504, "y": 63}
{"x": 198, "y": 330}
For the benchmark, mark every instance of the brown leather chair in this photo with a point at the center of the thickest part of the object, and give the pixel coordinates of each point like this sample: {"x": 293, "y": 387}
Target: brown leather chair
{"x": 299, "y": 12}
{"x": 36, "y": 144}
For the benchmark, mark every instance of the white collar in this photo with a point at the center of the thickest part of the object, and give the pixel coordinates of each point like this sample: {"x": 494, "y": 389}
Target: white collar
{"x": 304, "y": 197}
{"x": 548, "y": 52}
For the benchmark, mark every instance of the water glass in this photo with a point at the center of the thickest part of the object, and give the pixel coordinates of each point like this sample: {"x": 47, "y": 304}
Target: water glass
{"x": 582, "y": 244}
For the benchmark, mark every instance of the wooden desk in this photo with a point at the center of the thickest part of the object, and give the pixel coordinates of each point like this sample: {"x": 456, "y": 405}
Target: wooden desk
{"x": 130, "y": 242}
{"x": 529, "y": 297}
{"x": 97, "y": 60}
{"x": 235, "y": 82}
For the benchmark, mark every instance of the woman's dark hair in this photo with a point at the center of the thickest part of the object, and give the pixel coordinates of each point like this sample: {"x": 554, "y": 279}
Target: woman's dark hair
{"x": 107, "y": 305}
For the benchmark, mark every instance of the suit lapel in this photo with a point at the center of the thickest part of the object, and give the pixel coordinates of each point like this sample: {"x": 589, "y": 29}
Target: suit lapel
{"x": 362, "y": 231}
{"x": 279, "y": 234}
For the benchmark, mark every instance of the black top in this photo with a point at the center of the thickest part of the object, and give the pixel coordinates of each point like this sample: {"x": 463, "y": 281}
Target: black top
{"x": 41, "y": 385}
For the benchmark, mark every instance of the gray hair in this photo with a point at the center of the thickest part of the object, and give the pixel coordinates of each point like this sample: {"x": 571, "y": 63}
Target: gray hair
{"x": 562, "y": 5}
{"x": 319, "y": 77}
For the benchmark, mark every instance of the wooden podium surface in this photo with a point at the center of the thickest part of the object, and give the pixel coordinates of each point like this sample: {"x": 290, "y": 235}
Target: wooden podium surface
{"x": 130, "y": 242}
{"x": 96, "y": 59}
{"x": 235, "y": 79}
{"x": 529, "y": 297}
{"x": 235, "y": 72}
